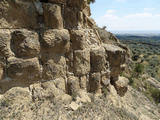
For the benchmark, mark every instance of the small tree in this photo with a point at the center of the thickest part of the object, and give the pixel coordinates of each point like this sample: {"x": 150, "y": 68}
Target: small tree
{"x": 139, "y": 68}
{"x": 90, "y": 1}
{"x": 104, "y": 27}
{"x": 156, "y": 94}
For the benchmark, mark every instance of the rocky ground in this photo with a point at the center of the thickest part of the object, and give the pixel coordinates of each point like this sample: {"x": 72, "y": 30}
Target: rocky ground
{"x": 17, "y": 104}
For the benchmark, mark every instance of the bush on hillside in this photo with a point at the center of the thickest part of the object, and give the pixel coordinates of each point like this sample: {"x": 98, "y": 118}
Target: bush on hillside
{"x": 139, "y": 68}
{"x": 156, "y": 95}
{"x": 91, "y": 1}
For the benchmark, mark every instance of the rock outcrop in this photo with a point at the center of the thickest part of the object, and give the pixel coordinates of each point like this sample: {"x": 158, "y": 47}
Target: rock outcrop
{"x": 46, "y": 40}
{"x": 51, "y": 48}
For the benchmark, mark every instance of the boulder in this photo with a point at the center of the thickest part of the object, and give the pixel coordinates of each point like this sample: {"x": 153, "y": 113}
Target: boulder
{"x": 50, "y": 88}
{"x": 82, "y": 97}
{"x": 58, "y": 41}
{"x": 60, "y": 83}
{"x": 73, "y": 85}
{"x": 83, "y": 82}
{"x": 78, "y": 18}
{"x": 25, "y": 44}
{"x": 106, "y": 37}
{"x": 81, "y": 62}
{"x": 52, "y": 16}
{"x": 25, "y": 17}
{"x": 46, "y": 90}
{"x": 116, "y": 58}
{"x": 68, "y": 14}
{"x": 74, "y": 106}
{"x": 24, "y": 70}
{"x": 5, "y": 37}
{"x": 53, "y": 67}
{"x": 18, "y": 96}
{"x": 98, "y": 59}
{"x": 78, "y": 39}
{"x": 95, "y": 83}
{"x": 121, "y": 86}
{"x": 63, "y": 98}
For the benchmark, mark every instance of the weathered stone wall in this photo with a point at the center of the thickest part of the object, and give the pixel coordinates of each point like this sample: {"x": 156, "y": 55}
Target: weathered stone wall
{"x": 55, "y": 40}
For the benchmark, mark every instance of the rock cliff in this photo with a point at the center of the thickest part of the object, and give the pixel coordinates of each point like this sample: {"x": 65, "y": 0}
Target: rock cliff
{"x": 50, "y": 50}
{"x": 55, "y": 40}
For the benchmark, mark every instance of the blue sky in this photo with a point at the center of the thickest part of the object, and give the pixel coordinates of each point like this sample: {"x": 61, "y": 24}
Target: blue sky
{"x": 135, "y": 15}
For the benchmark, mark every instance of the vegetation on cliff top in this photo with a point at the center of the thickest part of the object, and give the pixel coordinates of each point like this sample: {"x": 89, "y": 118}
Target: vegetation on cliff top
{"x": 91, "y": 1}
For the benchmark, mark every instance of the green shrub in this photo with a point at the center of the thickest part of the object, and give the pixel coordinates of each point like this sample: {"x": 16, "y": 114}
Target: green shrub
{"x": 155, "y": 93}
{"x": 131, "y": 81}
{"x": 91, "y": 1}
{"x": 139, "y": 68}
{"x": 105, "y": 91}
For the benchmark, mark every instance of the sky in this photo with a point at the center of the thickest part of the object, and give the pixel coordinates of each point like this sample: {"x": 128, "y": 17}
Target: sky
{"x": 127, "y": 15}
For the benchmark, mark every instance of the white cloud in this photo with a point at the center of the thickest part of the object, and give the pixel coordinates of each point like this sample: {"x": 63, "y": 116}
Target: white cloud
{"x": 139, "y": 15}
{"x": 121, "y": 0}
{"x": 137, "y": 21}
{"x": 149, "y": 9}
{"x": 110, "y": 11}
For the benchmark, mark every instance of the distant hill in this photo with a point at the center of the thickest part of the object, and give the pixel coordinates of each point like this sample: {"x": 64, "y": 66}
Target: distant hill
{"x": 148, "y": 40}
{"x": 137, "y": 33}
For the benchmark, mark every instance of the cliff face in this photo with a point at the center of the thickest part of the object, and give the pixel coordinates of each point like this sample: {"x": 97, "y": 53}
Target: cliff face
{"x": 50, "y": 50}
{"x": 55, "y": 39}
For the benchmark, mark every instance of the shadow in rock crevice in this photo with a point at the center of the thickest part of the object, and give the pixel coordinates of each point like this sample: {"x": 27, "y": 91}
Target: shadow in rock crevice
{"x": 44, "y": 1}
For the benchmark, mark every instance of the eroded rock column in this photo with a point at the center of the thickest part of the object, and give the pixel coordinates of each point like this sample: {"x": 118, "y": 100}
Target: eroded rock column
{"x": 51, "y": 45}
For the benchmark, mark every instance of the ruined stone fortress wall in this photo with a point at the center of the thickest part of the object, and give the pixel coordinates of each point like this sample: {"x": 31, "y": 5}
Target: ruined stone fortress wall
{"x": 53, "y": 44}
